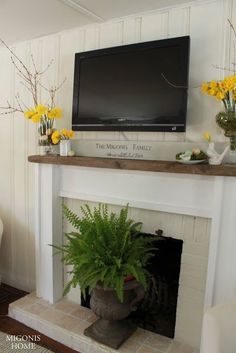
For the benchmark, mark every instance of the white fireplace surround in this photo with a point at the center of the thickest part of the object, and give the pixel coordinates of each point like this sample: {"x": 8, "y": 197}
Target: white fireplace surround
{"x": 212, "y": 197}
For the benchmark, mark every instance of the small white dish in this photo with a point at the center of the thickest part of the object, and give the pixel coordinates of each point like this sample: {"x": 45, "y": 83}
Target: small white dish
{"x": 197, "y": 161}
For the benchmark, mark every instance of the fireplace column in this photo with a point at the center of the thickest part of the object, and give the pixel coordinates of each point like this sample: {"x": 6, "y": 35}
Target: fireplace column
{"x": 48, "y": 228}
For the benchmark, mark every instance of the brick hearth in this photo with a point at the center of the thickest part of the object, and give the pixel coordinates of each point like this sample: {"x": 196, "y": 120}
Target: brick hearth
{"x": 65, "y": 322}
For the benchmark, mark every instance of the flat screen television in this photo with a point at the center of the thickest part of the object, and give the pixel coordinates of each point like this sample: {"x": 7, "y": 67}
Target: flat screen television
{"x": 137, "y": 87}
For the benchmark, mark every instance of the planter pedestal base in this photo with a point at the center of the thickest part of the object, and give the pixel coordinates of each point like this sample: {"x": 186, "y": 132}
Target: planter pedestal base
{"x": 110, "y": 333}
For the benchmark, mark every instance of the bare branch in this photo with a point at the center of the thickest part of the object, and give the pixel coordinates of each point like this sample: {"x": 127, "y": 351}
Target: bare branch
{"x": 22, "y": 102}
{"x": 27, "y": 78}
{"x": 172, "y": 84}
{"x": 46, "y": 68}
{"x": 60, "y": 85}
{"x": 35, "y": 69}
{"x": 13, "y": 54}
{"x": 10, "y": 109}
{"x": 232, "y": 27}
{"x": 18, "y": 103}
{"x": 223, "y": 68}
{"x": 30, "y": 79}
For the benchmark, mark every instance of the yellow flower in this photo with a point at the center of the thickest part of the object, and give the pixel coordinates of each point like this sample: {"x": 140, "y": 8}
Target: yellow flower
{"x": 28, "y": 114}
{"x": 223, "y": 88}
{"x": 207, "y": 136}
{"x": 55, "y": 113}
{"x": 36, "y": 118}
{"x": 67, "y": 134}
{"x": 71, "y": 134}
{"x": 55, "y": 141}
{"x": 222, "y": 84}
{"x": 205, "y": 87}
{"x": 64, "y": 132}
{"x": 56, "y": 134}
{"x": 220, "y": 95}
{"x": 56, "y": 137}
{"x": 231, "y": 79}
{"x": 229, "y": 82}
{"x": 41, "y": 109}
{"x": 213, "y": 84}
{"x": 212, "y": 92}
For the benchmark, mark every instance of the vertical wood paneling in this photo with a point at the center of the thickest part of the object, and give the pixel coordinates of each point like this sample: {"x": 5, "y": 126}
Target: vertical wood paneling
{"x": 232, "y": 10}
{"x": 14, "y": 257}
{"x": 50, "y": 51}
{"x": 179, "y": 22}
{"x": 92, "y": 38}
{"x": 30, "y": 248}
{"x": 19, "y": 225}
{"x": 35, "y": 49}
{"x": 132, "y": 30}
{"x": 12, "y": 176}
{"x": 229, "y": 45}
{"x": 155, "y": 26}
{"x": 71, "y": 43}
{"x": 111, "y": 34}
{"x": 5, "y": 165}
{"x": 129, "y": 31}
{"x": 206, "y": 42}
{"x": 138, "y": 22}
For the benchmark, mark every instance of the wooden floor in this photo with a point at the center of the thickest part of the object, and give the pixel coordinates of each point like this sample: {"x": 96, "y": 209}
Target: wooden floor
{"x": 8, "y": 325}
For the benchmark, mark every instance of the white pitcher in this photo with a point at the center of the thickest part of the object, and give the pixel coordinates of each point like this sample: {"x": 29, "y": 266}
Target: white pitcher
{"x": 65, "y": 147}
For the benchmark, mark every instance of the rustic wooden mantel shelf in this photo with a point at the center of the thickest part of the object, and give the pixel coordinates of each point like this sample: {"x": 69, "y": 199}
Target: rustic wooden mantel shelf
{"x": 142, "y": 165}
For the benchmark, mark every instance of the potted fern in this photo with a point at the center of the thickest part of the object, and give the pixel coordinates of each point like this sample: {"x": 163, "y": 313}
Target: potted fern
{"x": 108, "y": 259}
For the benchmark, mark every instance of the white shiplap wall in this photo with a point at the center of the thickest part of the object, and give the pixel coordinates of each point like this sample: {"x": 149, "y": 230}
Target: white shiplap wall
{"x": 206, "y": 23}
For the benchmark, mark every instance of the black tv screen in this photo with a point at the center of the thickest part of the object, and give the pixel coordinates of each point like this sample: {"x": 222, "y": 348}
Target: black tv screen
{"x": 137, "y": 87}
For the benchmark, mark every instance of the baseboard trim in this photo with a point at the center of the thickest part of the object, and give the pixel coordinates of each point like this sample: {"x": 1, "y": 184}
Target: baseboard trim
{"x": 18, "y": 282}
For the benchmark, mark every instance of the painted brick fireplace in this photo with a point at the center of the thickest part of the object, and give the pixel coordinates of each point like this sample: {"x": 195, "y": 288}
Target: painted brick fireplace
{"x": 194, "y": 231}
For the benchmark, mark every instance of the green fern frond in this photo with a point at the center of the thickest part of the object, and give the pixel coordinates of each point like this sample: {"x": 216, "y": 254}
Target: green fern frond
{"x": 71, "y": 217}
{"x": 104, "y": 248}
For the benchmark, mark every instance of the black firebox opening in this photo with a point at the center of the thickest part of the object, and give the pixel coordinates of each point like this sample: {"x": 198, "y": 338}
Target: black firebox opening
{"x": 157, "y": 312}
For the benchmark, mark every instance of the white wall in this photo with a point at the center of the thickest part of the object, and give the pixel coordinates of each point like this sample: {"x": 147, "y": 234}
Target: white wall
{"x": 206, "y": 23}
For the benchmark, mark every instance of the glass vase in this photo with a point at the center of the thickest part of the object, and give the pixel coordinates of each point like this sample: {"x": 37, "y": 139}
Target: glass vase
{"x": 227, "y": 121}
{"x": 232, "y": 151}
{"x": 43, "y": 150}
{"x": 47, "y": 149}
{"x": 232, "y": 139}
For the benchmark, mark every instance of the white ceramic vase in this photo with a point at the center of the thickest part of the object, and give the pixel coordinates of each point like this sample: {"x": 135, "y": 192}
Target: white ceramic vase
{"x": 65, "y": 147}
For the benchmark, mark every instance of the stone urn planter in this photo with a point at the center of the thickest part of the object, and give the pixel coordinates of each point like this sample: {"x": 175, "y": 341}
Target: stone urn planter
{"x": 112, "y": 328}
